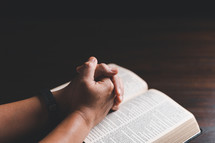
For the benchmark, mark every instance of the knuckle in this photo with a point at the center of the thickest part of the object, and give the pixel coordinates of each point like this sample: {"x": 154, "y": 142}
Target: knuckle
{"x": 88, "y": 64}
{"x": 110, "y": 85}
{"x": 103, "y": 65}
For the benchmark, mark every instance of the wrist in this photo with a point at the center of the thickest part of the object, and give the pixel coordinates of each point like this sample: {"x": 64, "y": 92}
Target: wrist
{"x": 85, "y": 113}
{"x": 73, "y": 128}
{"x": 88, "y": 114}
{"x": 64, "y": 110}
{"x": 86, "y": 118}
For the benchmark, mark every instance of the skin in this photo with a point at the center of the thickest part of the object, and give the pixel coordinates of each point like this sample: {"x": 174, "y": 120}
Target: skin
{"x": 82, "y": 105}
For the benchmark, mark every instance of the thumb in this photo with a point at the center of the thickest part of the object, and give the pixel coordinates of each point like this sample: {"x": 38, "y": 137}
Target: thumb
{"x": 89, "y": 68}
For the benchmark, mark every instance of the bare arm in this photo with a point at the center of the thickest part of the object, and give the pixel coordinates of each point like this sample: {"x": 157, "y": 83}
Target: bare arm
{"x": 28, "y": 116}
{"x": 22, "y": 118}
{"x": 73, "y": 129}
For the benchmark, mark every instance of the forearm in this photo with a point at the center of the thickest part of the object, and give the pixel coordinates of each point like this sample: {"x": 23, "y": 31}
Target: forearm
{"x": 21, "y": 118}
{"x": 73, "y": 129}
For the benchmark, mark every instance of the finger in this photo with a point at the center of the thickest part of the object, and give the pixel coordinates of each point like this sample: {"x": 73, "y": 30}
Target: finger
{"x": 119, "y": 91}
{"x": 116, "y": 82}
{"x": 104, "y": 70}
{"x": 121, "y": 87}
{"x": 115, "y": 107}
{"x": 116, "y": 104}
{"x": 79, "y": 68}
{"x": 88, "y": 69}
{"x": 107, "y": 85}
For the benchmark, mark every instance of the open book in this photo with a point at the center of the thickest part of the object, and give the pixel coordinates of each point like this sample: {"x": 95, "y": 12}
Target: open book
{"x": 146, "y": 115}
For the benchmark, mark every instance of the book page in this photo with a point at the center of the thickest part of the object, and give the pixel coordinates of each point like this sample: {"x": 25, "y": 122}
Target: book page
{"x": 133, "y": 84}
{"x": 144, "y": 118}
{"x": 182, "y": 133}
{"x": 60, "y": 87}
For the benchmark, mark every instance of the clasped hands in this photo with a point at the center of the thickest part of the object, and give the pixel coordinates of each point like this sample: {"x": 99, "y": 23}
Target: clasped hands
{"x": 92, "y": 93}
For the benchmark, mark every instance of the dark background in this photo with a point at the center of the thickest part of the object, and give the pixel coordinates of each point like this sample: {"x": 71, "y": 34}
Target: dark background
{"x": 43, "y": 42}
{"x": 169, "y": 44}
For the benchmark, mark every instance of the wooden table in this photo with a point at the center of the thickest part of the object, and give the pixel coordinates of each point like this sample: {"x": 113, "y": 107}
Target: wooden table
{"x": 176, "y": 56}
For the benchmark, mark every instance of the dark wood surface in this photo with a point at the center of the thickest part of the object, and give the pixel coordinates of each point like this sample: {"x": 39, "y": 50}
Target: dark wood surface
{"x": 176, "y": 56}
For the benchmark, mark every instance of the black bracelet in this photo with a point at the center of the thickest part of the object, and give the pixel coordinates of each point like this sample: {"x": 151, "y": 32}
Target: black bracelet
{"x": 47, "y": 98}
{"x": 50, "y": 102}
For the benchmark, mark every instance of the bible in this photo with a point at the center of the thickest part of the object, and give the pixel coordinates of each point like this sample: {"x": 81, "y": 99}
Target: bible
{"x": 145, "y": 115}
